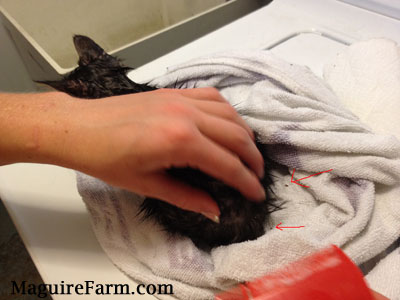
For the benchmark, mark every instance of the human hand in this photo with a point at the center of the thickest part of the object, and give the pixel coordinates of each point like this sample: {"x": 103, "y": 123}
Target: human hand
{"x": 129, "y": 141}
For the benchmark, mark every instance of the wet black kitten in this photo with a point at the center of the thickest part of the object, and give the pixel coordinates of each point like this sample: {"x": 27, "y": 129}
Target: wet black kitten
{"x": 101, "y": 75}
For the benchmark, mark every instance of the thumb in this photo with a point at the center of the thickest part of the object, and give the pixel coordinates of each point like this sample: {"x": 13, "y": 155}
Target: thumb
{"x": 182, "y": 195}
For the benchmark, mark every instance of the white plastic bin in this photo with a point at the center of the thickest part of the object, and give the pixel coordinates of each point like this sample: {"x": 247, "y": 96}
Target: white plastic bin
{"x": 135, "y": 30}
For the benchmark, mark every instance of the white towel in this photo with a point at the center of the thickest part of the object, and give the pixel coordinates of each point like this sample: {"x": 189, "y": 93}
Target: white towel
{"x": 385, "y": 277}
{"x": 366, "y": 78}
{"x": 356, "y": 206}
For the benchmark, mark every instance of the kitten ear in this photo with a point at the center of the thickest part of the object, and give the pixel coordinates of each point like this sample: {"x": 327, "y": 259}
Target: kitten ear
{"x": 73, "y": 87}
{"x": 57, "y": 85}
{"x": 87, "y": 49}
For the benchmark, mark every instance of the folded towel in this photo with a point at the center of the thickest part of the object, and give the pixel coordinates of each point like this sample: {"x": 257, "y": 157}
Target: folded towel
{"x": 304, "y": 127}
{"x": 366, "y": 78}
{"x": 385, "y": 277}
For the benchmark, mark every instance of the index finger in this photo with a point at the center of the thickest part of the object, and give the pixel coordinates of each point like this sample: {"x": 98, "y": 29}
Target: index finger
{"x": 212, "y": 94}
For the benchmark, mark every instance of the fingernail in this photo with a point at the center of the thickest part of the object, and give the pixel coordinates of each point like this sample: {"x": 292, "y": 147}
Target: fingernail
{"x": 211, "y": 216}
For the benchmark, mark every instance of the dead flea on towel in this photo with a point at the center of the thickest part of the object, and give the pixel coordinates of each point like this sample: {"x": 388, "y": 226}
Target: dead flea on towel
{"x": 101, "y": 75}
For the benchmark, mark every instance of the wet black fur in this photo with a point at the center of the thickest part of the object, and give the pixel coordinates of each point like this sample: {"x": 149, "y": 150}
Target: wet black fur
{"x": 101, "y": 75}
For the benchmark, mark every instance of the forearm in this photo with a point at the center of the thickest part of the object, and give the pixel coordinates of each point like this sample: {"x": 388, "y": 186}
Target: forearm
{"x": 34, "y": 127}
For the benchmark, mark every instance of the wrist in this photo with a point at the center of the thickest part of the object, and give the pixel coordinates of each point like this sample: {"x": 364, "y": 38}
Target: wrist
{"x": 34, "y": 127}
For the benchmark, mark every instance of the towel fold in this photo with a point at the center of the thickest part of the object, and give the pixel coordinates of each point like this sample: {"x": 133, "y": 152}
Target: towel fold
{"x": 305, "y": 127}
{"x": 366, "y": 78}
{"x": 385, "y": 277}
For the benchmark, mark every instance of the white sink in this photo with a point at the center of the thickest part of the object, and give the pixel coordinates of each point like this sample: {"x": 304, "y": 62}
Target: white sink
{"x": 136, "y": 31}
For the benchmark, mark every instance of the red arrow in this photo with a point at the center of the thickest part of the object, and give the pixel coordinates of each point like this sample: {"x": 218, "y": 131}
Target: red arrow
{"x": 295, "y": 181}
{"x": 280, "y": 227}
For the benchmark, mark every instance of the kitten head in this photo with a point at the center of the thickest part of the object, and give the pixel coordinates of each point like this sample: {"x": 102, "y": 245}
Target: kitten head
{"x": 98, "y": 74}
